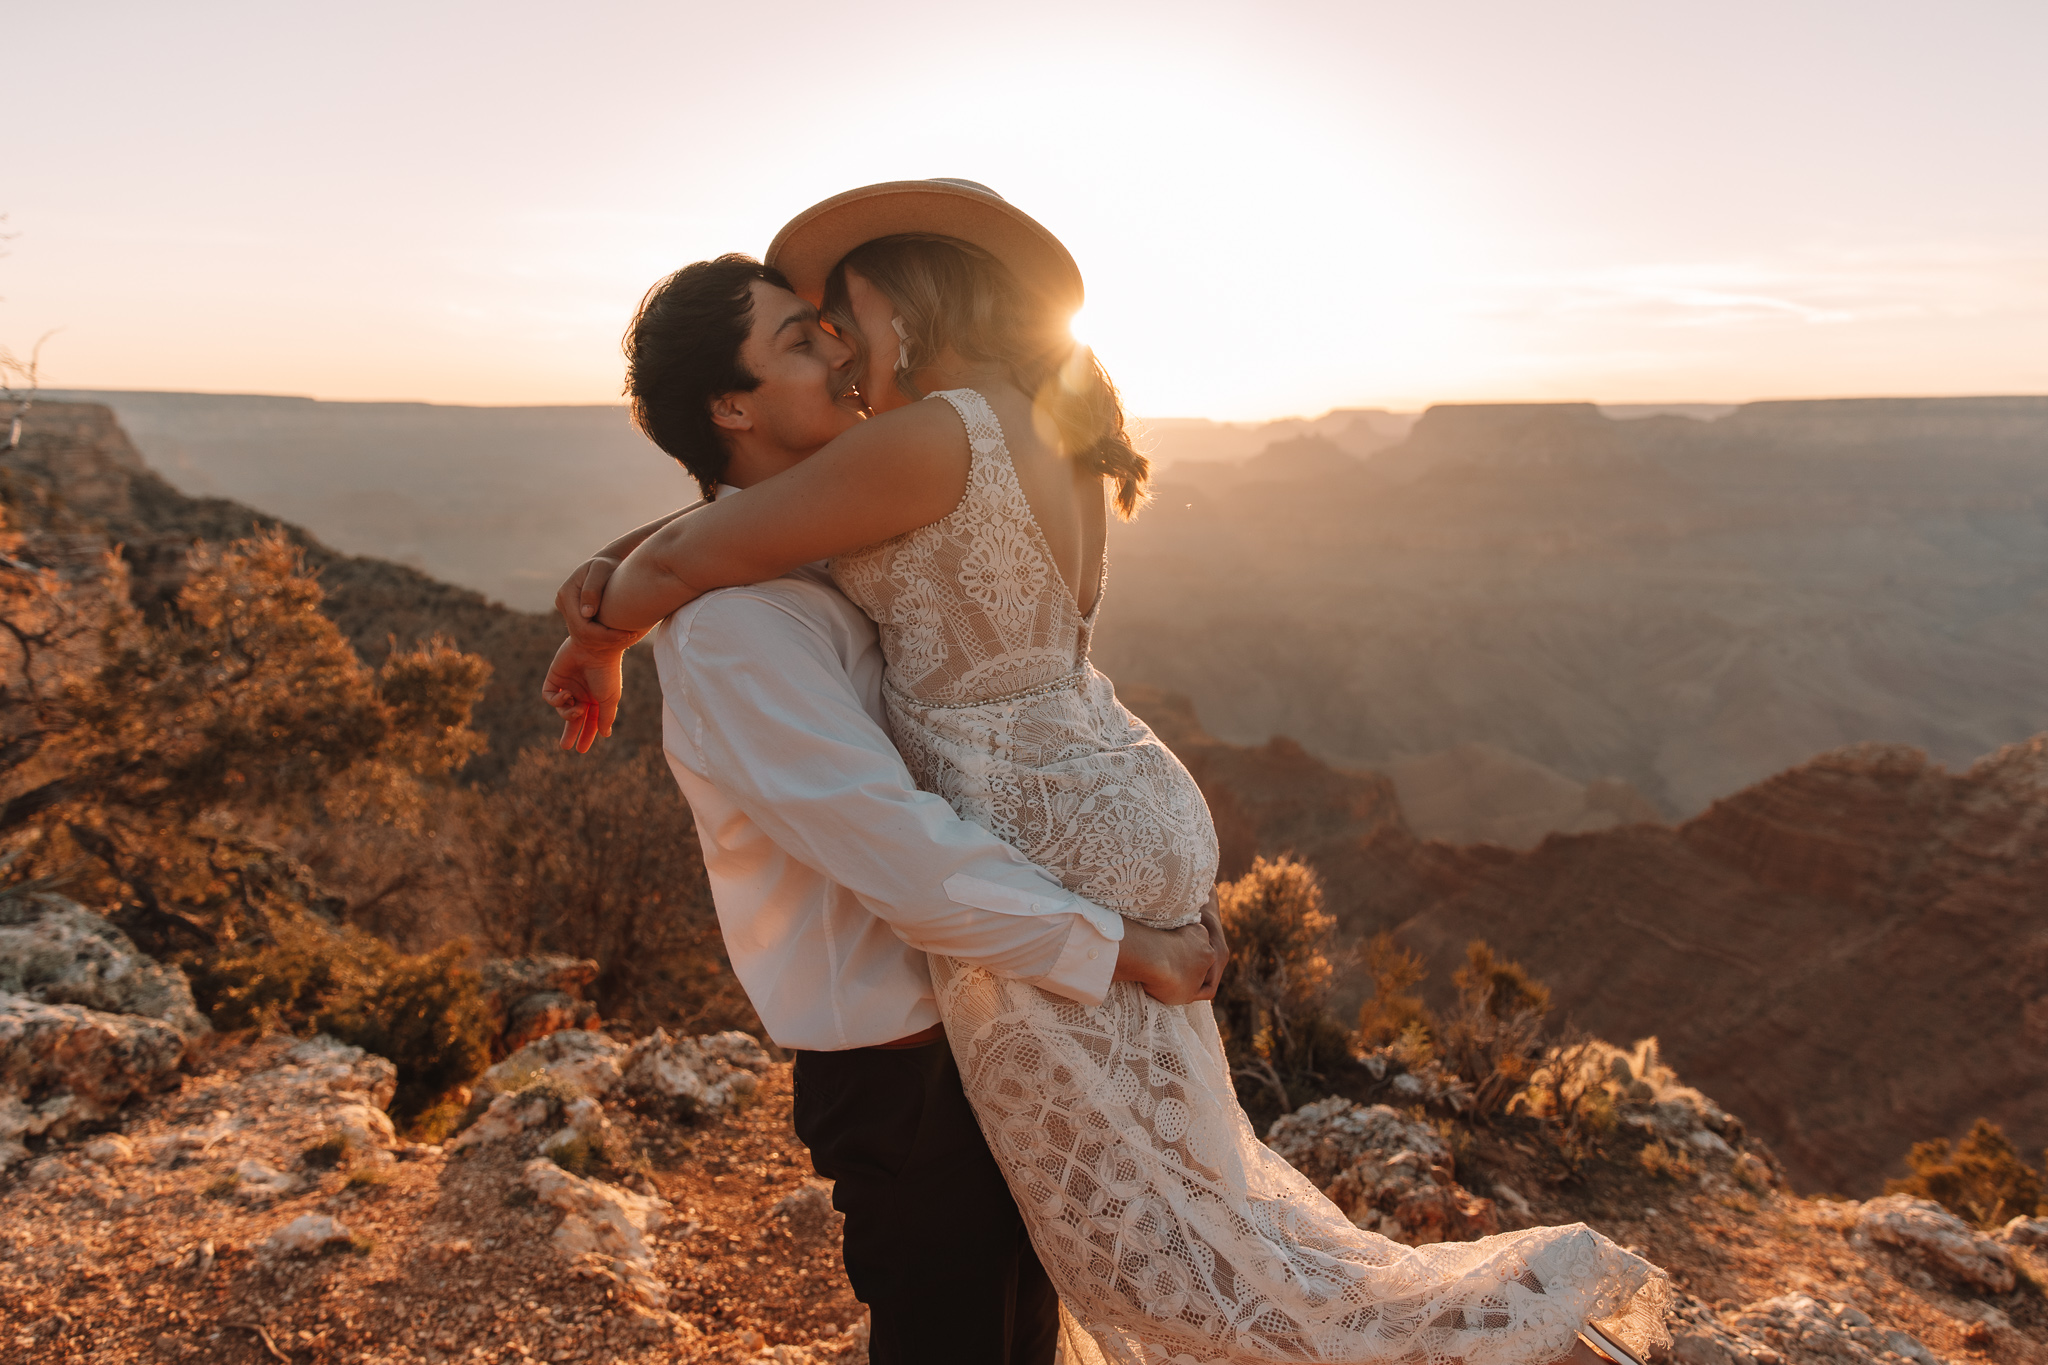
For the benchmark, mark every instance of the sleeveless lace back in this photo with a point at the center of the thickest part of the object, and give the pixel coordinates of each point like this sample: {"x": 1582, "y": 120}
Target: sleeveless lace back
{"x": 1171, "y": 1232}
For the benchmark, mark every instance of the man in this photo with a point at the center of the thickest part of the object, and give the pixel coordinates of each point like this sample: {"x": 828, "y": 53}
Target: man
{"x": 832, "y": 874}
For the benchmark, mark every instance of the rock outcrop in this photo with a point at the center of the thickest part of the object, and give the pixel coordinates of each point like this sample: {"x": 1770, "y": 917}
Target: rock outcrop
{"x": 56, "y": 951}
{"x": 1836, "y": 1331}
{"x": 707, "y": 1075}
{"x": 65, "y": 1068}
{"x": 604, "y": 1226}
{"x": 1941, "y": 1242}
{"x": 1389, "y": 1174}
{"x": 2025, "y": 1232}
{"x": 87, "y": 1022}
{"x": 560, "y": 1079}
{"x": 532, "y": 997}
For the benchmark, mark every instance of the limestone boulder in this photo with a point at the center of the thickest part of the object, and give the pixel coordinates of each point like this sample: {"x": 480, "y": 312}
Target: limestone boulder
{"x": 339, "y": 1091}
{"x": 59, "y": 953}
{"x": 571, "y": 1062}
{"x": 1941, "y": 1242}
{"x": 605, "y": 1227}
{"x": 65, "y": 1067}
{"x": 585, "y": 1132}
{"x": 307, "y": 1235}
{"x": 1700, "y": 1337}
{"x": 507, "y": 1116}
{"x": 1389, "y": 1173}
{"x": 709, "y": 1075}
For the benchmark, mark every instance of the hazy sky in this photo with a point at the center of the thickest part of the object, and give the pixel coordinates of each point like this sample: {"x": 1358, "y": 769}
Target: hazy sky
{"x": 1279, "y": 208}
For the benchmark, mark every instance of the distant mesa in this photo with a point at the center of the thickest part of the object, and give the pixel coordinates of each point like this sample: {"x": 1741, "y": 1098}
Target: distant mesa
{"x": 1490, "y": 435}
{"x": 1359, "y": 432}
{"x": 1478, "y": 793}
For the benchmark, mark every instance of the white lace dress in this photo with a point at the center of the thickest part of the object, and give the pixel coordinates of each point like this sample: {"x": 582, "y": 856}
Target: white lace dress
{"x": 1171, "y": 1232}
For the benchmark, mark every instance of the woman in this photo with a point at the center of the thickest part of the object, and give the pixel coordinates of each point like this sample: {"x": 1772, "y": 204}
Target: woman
{"x": 971, "y": 528}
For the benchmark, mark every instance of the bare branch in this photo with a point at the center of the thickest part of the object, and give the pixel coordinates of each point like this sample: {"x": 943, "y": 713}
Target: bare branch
{"x": 20, "y": 380}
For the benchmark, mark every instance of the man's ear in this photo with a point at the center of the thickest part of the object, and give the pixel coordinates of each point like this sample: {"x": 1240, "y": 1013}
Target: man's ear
{"x": 733, "y": 412}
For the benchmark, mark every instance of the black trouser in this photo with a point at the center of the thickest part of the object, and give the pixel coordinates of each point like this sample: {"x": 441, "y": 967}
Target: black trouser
{"x": 934, "y": 1245}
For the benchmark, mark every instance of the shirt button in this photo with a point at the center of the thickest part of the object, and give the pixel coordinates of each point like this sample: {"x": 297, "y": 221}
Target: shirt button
{"x": 1092, "y": 954}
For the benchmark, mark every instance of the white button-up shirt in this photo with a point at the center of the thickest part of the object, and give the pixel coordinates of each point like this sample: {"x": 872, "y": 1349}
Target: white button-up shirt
{"x": 832, "y": 873}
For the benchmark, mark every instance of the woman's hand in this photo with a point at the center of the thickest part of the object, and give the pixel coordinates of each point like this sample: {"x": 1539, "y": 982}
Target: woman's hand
{"x": 583, "y": 685}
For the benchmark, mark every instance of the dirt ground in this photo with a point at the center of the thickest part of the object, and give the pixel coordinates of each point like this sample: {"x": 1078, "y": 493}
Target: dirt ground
{"x": 159, "y": 1259}
{"x": 141, "y": 1262}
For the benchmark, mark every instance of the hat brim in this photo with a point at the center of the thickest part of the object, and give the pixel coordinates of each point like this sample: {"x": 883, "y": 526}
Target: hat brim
{"x": 818, "y": 238}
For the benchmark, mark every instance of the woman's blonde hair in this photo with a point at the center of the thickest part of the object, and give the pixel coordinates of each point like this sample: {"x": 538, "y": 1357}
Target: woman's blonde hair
{"x": 950, "y": 293}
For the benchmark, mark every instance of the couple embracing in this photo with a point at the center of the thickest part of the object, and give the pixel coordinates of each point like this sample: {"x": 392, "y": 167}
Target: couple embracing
{"x": 969, "y": 890}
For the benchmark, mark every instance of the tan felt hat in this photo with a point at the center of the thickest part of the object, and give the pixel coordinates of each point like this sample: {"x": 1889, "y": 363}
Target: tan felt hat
{"x": 815, "y": 240}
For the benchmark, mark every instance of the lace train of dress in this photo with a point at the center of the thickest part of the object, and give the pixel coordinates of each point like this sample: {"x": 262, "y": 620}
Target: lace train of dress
{"x": 1171, "y": 1232}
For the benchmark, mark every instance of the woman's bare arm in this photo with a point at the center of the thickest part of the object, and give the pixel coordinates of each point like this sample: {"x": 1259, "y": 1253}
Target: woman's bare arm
{"x": 890, "y": 474}
{"x": 577, "y": 599}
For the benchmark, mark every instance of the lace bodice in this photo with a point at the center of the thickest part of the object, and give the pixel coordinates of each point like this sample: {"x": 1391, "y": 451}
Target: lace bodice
{"x": 972, "y": 608}
{"x": 994, "y": 704}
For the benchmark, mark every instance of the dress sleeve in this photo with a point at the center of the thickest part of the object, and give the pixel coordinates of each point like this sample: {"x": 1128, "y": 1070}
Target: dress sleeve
{"x": 764, "y": 710}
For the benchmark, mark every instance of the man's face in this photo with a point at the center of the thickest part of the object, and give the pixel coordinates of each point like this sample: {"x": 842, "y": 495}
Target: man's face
{"x": 806, "y": 394}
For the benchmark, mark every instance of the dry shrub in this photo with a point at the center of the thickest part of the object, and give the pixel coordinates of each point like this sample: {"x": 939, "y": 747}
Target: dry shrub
{"x": 1665, "y": 1162}
{"x": 599, "y": 859}
{"x": 1981, "y": 1178}
{"x": 1569, "y": 1087}
{"x": 162, "y": 754}
{"x": 426, "y": 1012}
{"x": 1273, "y": 1005}
{"x": 1392, "y": 1009}
{"x": 1494, "y": 1038}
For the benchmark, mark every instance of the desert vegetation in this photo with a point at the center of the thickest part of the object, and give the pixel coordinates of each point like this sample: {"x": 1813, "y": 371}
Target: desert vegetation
{"x": 1981, "y": 1178}
{"x": 1494, "y": 1058}
{"x": 215, "y": 766}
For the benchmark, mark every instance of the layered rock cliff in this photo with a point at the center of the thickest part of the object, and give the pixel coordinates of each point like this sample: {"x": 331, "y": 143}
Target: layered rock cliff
{"x": 1851, "y": 955}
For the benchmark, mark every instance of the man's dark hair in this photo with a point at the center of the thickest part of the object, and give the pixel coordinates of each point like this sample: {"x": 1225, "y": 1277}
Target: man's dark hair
{"x": 683, "y": 351}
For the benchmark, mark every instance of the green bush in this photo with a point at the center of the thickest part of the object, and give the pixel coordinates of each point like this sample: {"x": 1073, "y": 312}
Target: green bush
{"x": 426, "y": 1013}
{"x": 1982, "y": 1178}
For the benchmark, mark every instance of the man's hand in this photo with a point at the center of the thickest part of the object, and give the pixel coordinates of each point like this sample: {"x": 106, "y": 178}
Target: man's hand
{"x": 1171, "y": 964}
{"x": 583, "y": 685}
{"x": 1219, "y": 949}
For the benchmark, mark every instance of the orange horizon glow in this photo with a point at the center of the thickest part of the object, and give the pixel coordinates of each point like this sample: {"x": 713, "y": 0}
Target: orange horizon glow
{"x": 1310, "y": 208}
